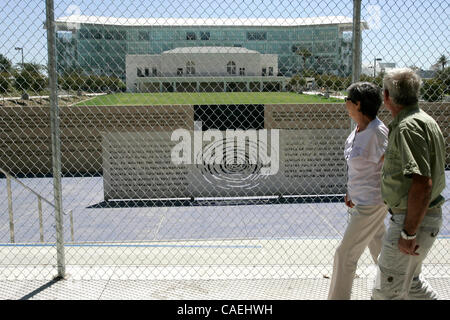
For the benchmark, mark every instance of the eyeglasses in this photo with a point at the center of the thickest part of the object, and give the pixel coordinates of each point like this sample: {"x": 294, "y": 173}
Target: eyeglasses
{"x": 349, "y": 99}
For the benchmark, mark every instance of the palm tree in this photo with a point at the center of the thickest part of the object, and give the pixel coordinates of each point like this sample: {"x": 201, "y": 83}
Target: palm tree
{"x": 442, "y": 61}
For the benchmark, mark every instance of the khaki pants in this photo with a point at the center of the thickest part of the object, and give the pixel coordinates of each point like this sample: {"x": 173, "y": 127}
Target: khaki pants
{"x": 399, "y": 275}
{"x": 365, "y": 229}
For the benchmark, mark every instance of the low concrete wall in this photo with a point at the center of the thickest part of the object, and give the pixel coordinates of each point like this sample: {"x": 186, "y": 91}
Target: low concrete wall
{"x": 25, "y": 141}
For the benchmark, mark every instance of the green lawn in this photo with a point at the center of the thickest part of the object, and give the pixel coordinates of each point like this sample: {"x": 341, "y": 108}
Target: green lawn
{"x": 204, "y": 98}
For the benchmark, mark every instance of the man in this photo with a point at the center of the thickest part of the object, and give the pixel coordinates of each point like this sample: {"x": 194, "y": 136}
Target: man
{"x": 413, "y": 178}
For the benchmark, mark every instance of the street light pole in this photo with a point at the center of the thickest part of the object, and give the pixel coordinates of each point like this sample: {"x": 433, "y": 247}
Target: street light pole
{"x": 24, "y": 94}
{"x": 21, "y": 50}
{"x": 375, "y": 66}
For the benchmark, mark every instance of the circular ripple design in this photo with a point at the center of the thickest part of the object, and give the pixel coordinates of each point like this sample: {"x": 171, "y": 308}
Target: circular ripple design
{"x": 244, "y": 172}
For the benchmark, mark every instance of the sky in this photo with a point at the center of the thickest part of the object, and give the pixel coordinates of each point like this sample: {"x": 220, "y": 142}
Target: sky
{"x": 408, "y": 33}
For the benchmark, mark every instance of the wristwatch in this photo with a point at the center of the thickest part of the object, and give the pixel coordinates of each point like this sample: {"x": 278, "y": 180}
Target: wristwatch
{"x": 407, "y": 236}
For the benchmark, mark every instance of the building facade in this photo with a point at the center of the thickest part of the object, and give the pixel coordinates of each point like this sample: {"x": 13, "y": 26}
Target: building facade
{"x": 99, "y": 45}
{"x": 203, "y": 69}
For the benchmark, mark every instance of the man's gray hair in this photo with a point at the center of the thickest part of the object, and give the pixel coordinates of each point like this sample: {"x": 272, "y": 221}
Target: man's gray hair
{"x": 403, "y": 85}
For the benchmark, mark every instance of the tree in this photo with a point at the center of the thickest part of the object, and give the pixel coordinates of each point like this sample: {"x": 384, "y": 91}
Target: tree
{"x": 338, "y": 83}
{"x": 442, "y": 61}
{"x": 308, "y": 73}
{"x": 30, "y": 81}
{"x": 443, "y": 76}
{"x": 5, "y": 64}
{"x": 379, "y": 79}
{"x": 432, "y": 91}
{"x": 4, "y": 82}
{"x": 304, "y": 53}
{"x": 297, "y": 83}
{"x": 92, "y": 83}
{"x": 31, "y": 78}
{"x": 33, "y": 67}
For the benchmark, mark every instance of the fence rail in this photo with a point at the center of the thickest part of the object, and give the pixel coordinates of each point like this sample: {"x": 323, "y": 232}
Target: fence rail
{"x": 39, "y": 198}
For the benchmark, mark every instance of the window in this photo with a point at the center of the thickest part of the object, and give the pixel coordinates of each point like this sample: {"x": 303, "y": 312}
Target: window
{"x": 108, "y": 35}
{"x": 270, "y": 71}
{"x": 325, "y": 34}
{"x": 115, "y": 35}
{"x": 190, "y": 67}
{"x": 233, "y": 35}
{"x": 179, "y": 71}
{"x": 143, "y": 36}
{"x": 154, "y": 72}
{"x": 305, "y": 47}
{"x": 86, "y": 34}
{"x": 139, "y": 72}
{"x": 264, "y": 71}
{"x": 256, "y": 35}
{"x": 242, "y": 71}
{"x": 204, "y": 35}
{"x": 231, "y": 67}
{"x": 191, "y": 35}
{"x": 97, "y": 34}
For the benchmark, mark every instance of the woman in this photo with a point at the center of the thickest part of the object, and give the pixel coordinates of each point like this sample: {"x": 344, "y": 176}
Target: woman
{"x": 364, "y": 153}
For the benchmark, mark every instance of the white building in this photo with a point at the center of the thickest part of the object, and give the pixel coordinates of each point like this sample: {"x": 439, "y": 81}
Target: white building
{"x": 203, "y": 69}
{"x": 387, "y": 66}
{"x": 381, "y": 67}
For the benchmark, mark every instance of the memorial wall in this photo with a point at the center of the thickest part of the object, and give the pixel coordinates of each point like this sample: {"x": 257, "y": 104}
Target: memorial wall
{"x": 229, "y": 151}
{"x": 185, "y": 150}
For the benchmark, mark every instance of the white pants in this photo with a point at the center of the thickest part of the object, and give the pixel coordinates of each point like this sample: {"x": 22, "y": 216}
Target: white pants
{"x": 399, "y": 274}
{"x": 365, "y": 229}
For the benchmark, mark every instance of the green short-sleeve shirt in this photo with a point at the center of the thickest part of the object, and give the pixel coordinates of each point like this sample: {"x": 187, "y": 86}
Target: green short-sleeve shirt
{"x": 416, "y": 146}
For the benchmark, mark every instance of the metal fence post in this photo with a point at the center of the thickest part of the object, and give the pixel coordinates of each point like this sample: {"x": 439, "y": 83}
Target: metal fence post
{"x": 56, "y": 142}
{"x": 356, "y": 41}
{"x": 41, "y": 224}
{"x": 356, "y": 47}
{"x": 10, "y": 208}
{"x": 71, "y": 225}
{"x": 356, "y": 55}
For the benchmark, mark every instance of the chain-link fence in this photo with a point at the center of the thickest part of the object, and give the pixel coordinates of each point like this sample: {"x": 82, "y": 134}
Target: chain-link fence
{"x": 198, "y": 139}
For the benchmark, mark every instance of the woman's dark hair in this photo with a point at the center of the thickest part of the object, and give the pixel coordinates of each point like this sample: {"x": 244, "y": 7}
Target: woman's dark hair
{"x": 369, "y": 95}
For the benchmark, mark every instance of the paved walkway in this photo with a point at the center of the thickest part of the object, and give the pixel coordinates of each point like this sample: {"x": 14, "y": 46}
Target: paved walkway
{"x": 221, "y": 269}
{"x": 47, "y": 97}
